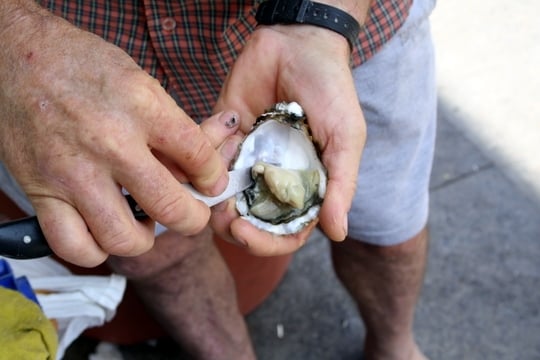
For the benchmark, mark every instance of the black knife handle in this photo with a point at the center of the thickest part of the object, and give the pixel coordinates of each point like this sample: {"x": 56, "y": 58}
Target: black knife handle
{"x": 23, "y": 238}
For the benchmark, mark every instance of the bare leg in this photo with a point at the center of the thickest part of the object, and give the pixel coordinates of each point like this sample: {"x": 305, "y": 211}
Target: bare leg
{"x": 385, "y": 282}
{"x": 185, "y": 283}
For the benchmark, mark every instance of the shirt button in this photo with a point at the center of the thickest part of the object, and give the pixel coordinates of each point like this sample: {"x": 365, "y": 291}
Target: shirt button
{"x": 168, "y": 24}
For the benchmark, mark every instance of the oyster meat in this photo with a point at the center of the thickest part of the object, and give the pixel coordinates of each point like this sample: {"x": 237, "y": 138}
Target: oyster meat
{"x": 290, "y": 179}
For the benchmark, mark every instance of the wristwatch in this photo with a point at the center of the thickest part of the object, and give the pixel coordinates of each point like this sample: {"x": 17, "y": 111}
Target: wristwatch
{"x": 308, "y": 12}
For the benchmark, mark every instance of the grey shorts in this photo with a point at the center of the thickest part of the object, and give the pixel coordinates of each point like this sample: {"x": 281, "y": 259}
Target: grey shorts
{"x": 397, "y": 91}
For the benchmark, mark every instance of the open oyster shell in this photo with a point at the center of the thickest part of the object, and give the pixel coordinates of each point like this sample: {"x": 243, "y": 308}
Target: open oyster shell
{"x": 290, "y": 179}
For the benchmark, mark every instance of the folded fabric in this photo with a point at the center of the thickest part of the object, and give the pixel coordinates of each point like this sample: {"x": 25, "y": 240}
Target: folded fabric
{"x": 75, "y": 302}
{"x": 25, "y": 331}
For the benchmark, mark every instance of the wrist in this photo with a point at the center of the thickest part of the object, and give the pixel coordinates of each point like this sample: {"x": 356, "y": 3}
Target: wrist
{"x": 307, "y": 12}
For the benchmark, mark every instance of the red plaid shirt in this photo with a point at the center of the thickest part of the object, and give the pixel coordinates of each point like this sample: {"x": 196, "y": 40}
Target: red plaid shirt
{"x": 190, "y": 45}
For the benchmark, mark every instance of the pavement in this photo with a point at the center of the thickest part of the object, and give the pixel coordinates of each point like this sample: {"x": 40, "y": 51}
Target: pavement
{"x": 481, "y": 297}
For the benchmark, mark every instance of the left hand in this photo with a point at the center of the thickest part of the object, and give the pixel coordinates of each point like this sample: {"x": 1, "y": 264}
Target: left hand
{"x": 309, "y": 65}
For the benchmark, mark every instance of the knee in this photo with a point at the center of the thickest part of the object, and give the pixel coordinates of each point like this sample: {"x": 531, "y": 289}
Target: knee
{"x": 357, "y": 250}
{"x": 134, "y": 268}
{"x": 170, "y": 249}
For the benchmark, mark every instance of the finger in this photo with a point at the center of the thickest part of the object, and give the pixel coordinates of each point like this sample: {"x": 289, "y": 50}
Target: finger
{"x": 242, "y": 91}
{"x": 229, "y": 148}
{"x": 342, "y": 176}
{"x": 219, "y": 126}
{"x": 341, "y": 156}
{"x": 342, "y": 164}
{"x": 339, "y": 129}
{"x": 219, "y": 129}
{"x": 334, "y": 213}
{"x": 176, "y": 136}
{"x": 222, "y": 216}
{"x": 222, "y": 130}
{"x": 262, "y": 243}
{"x": 248, "y": 108}
{"x": 67, "y": 233}
{"x": 161, "y": 196}
{"x": 110, "y": 220}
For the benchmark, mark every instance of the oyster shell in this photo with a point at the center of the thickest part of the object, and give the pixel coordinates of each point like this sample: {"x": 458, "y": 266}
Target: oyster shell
{"x": 290, "y": 179}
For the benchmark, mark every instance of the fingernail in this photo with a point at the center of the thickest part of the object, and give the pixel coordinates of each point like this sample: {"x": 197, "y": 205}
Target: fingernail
{"x": 231, "y": 119}
{"x": 345, "y": 227}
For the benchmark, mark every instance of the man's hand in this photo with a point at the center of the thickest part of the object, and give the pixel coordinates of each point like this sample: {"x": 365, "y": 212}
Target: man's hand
{"x": 79, "y": 121}
{"x": 308, "y": 65}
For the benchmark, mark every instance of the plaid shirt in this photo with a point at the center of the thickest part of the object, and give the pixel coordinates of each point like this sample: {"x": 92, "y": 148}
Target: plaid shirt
{"x": 190, "y": 45}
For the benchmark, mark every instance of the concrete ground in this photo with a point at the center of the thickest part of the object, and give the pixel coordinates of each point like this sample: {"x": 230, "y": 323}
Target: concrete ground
{"x": 481, "y": 298}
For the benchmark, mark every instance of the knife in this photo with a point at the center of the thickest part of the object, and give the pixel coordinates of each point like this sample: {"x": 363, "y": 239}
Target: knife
{"x": 23, "y": 238}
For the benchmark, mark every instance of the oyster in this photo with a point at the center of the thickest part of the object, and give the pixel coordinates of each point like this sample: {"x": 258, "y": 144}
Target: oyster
{"x": 290, "y": 179}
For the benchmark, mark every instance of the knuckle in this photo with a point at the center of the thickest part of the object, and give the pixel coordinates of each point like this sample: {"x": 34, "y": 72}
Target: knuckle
{"x": 178, "y": 212}
{"x": 144, "y": 97}
{"x": 124, "y": 243}
{"x": 166, "y": 209}
{"x": 78, "y": 253}
{"x": 78, "y": 248}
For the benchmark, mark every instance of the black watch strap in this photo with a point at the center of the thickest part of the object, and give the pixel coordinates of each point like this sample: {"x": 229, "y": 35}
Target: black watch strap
{"x": 307, "y": 12}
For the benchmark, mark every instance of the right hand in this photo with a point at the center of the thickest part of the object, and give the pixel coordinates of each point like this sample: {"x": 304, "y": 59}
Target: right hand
{"x": 310, "y": 65}
{"x": 80, "y": 120}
